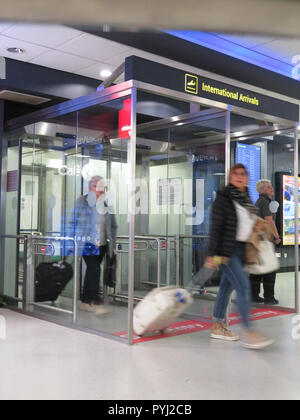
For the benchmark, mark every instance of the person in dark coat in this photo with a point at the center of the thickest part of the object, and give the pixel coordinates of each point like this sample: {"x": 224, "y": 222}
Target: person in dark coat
{"x": 234, "y": 217}
{"x": 266, "y": 192}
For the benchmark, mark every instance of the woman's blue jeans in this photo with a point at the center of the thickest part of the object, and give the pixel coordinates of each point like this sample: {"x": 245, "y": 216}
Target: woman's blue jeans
{"x": 233, "y": 277}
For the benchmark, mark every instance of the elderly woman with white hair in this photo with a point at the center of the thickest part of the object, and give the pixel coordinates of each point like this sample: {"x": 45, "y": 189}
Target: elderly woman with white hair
{"x": 266, "y": 192}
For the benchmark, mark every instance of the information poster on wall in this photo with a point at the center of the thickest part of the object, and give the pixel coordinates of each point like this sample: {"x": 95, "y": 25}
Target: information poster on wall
{"x": 288, "y": 220}
{"x": 250, "y": 157}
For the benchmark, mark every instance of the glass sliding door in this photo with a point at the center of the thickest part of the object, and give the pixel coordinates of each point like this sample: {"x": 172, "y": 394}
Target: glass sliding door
{"x": 180, "y": 165}
{"x": 268, "y": 154}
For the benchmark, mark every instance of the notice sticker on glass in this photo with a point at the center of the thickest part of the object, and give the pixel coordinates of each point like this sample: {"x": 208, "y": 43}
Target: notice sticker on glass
{"x": 12, "y": 181}
{"x": 170, "y": 192}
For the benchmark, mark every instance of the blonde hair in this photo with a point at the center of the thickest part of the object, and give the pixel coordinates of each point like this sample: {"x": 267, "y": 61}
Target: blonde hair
{"x": 260, "y": 185}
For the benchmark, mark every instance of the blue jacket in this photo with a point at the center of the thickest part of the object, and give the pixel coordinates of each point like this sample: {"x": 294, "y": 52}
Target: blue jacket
{"x": 86, "y": 234}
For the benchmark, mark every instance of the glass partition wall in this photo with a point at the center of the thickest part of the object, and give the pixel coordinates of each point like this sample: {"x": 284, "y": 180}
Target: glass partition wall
{"x": 158, "y": 162}
{"x": 66, "y": 198}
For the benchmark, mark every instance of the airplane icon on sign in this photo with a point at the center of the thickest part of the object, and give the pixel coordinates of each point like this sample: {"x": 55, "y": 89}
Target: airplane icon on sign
{"x": 191, "y": 84}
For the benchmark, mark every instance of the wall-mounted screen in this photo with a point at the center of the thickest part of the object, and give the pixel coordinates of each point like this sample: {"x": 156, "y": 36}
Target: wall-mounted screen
{"x": 250, "y": 157}
{"x": 287, "y": 213}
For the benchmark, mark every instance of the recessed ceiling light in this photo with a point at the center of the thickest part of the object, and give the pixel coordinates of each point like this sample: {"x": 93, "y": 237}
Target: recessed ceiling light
{"x": 105, "y": 73}
{"x": 15, "y": 50}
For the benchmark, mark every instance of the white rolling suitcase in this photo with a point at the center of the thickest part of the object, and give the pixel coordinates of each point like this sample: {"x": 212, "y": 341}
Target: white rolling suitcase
{"x": 159, "y": 309}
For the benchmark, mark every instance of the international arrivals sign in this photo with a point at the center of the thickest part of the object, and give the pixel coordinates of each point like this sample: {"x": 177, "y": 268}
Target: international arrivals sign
{"x": 137, "y": 68}
{"x": 236, "y": 95}
{"x": 192, "y": 86}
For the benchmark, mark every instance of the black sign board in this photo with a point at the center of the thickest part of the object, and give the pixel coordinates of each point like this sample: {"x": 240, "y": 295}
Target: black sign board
{"x": 171, "y": 78}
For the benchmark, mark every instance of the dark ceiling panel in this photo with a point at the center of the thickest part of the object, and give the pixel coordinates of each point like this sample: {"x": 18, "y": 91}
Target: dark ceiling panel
{"x": 56, "y": 85}
{"x": 43, "y": 81}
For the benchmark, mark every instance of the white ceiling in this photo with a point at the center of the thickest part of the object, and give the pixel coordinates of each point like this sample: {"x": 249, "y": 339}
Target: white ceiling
{"x": 66, "y": 49}
{"x": 282, "y": 49}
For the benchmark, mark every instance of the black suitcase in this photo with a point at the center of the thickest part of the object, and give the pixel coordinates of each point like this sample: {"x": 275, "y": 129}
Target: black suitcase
{"x": 51, "y": 279}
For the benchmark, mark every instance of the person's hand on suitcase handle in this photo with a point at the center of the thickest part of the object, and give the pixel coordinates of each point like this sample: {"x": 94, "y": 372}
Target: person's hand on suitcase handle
{"x": 214, "y": 262}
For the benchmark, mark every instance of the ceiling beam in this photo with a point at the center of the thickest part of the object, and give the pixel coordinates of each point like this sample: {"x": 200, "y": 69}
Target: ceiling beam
{"x": 279, "y": 17}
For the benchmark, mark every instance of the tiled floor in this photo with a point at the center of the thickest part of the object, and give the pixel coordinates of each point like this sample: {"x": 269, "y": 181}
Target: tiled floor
{"x": 40, "y": 360}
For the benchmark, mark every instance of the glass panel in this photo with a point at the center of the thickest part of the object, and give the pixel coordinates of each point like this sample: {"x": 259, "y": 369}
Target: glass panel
{"x": 45, "y": 177}
{"x": 179, "y": 169}
{"x": 73, "y": 184}
{"x": 271, "y": 157}
{"x": 102, "y": 141}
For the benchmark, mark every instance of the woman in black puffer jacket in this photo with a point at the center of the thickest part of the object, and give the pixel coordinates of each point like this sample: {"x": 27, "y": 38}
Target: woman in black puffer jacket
{"x": 233, "y": 219}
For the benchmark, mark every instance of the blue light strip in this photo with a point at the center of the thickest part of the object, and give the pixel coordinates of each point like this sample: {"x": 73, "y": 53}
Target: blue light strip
{"x": 233, "y": 49}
